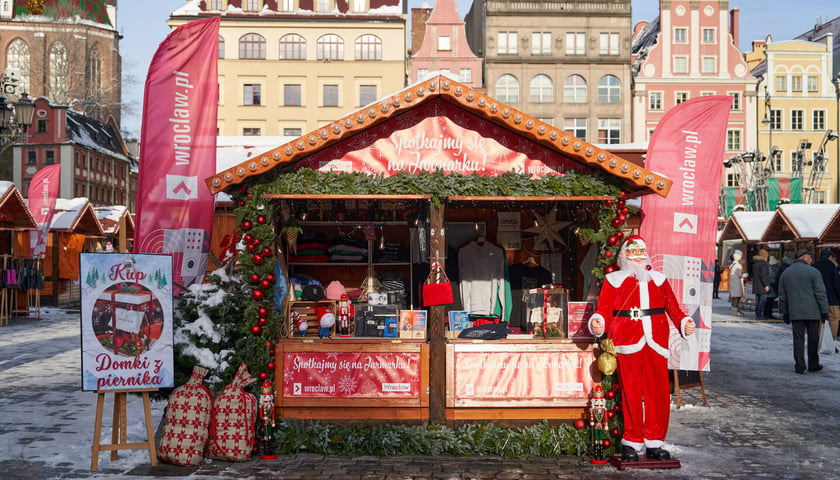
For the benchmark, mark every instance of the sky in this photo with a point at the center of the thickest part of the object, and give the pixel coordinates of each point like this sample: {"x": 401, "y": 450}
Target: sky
{"x": 143, "y": 26}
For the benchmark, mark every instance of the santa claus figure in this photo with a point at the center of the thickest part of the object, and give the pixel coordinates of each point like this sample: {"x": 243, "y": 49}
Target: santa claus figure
{"x": 636, "y": 309}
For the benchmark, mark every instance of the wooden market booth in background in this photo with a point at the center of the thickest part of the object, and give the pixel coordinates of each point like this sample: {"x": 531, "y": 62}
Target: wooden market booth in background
{"x": 74, "y": 229}
{"x": 441, "y": 108}
{"x": 14, "y": 217}
{"x": 742, "y": 227}
{"x": 802, "y": 225}
{"x": 117, "y": 226}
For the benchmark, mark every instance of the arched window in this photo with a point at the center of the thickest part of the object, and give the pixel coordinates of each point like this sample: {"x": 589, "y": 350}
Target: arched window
{"x": 17, "y": 56}
{"x": 507, "y": 89}
{"x": 58, "y": 73}
{"x": 609, "y": 89}
{"x": 93, "y": 72}
{"x": 221, "y": 46}
{"x": 292, "y": 47}
{"x": 575, "y": 89}
{"x": 542, "y": 89}
{"x": 368, "y": 47}
{"x": 252, "y": 46}
{"x": 330, "y": 47}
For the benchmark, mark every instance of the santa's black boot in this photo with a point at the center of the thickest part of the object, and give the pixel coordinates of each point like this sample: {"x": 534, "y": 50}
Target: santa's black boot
{"x": 657, "y": 454}
{"x": 629, "y": 454}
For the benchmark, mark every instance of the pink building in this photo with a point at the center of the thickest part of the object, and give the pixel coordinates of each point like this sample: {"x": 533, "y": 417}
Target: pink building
{"x": 690, "y": 51}
{"x": 445, "y": 47}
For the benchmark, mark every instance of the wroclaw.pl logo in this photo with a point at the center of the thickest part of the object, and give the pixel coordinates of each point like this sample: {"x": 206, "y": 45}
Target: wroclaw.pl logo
{"x": 297, "y": 389}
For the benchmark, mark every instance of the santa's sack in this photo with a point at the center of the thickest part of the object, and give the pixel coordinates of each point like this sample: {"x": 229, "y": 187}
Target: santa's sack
{"x": 187, "y": 422}
{"x": 234, "y": 415}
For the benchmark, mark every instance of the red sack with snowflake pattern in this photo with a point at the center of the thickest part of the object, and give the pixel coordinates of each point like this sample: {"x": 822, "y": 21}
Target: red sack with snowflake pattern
{"x": 234, "y": 415}
{"x": 187, "y": 422}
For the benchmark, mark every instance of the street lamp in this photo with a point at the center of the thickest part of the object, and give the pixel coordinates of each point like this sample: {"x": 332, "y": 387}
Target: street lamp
{"x": 15, "y": 119}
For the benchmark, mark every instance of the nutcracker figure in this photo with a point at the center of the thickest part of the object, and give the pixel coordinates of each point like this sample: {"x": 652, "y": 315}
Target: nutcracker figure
{"x": 345, "y": 316}
{"x": 267, "y": 420}
{"x": 599, "y": 424}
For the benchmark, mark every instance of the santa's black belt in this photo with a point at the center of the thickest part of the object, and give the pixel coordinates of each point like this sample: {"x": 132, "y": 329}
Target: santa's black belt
{"x": 640, "y": 312}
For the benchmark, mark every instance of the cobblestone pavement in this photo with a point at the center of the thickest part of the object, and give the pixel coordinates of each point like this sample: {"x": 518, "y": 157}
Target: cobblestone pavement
{"x": 762, "y": 421}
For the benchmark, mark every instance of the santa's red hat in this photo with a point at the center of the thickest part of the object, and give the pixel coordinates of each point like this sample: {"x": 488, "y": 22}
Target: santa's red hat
{"x": 633, "y": 240}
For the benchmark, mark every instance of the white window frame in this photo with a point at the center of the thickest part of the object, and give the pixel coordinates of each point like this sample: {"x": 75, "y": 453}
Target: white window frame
{"x": 680, "y": 35}
{"x": 734, "y": 140}
{"x": 608, "y": 126}
{"x": 609, "y": 44}
{"x": 736, "y": 101}
{"x": 466, "y": 75}
{"x": 708, "y": 35}
{"x": 708, "y": 64}
{"x": 797, "y": 119}
{"x": 575, "y": 93}
{"x": 511, "y": 86}
{"x": 680, "y": 97}
{"x": 818, "y": 117}
{"x": 544, "y": 91}
{"x": 813, "y": 83}
{"x": 508, "y": 43}
{"x": 575, "y": 125}
{"x": 655, "y": 101}
{"x": 575, "y": 43}
{"x": 540, "y": 43}
{"x": 680, "y": 64}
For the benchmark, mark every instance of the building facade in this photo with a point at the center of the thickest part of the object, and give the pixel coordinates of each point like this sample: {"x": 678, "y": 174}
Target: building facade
{"x": 444, "y": 46}
{"x": 68, "y": 52}
{"x": 566, "y": 63}
{"x": 289, "y": 66}
{"x": 798, "y": 112}
{"x": 691, "y": 51}
{"x": 95, "y": 162}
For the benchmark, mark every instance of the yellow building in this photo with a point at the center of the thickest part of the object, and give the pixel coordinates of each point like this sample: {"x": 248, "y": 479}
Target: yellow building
{"x": 797, "y": 115}
{"x": 285, "y": 72}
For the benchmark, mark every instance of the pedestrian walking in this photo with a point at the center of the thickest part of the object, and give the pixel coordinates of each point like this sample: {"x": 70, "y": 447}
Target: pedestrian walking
{"x": 803, "y": 303}
{"x": 827, "y": 265}
{"x": 761, "y": 282}
{"x": 736, "y": 283}
{"x": 773, "y": 265}
{"x": 716, "y": 285}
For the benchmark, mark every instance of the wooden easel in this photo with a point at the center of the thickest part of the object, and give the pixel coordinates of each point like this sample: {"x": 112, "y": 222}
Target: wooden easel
{"x": 698, "y": 383}
{"x": 118, "y": 429}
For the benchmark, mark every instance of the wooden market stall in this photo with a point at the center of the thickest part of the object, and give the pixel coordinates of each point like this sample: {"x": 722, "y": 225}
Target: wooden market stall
{"x": 74, "y": 229}
{"x": 438, "y": 123}
{"x": 742, "y": 229}
{"x": 117, "y": 227}
{"x": 14, "y": 217}
{"x": 797, "y": 225}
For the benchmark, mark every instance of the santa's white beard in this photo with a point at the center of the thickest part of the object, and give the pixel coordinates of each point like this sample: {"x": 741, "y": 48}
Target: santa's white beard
{"x": 638, "y": 269}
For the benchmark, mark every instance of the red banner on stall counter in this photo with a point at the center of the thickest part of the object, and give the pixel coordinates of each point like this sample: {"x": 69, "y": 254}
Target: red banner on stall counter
{"x": 43, "y": 192}
{"x": 178, "y": 149}
{"x": 523, "y": 375}
{"x": 351, "y": 375}
{"x": 681, "y": 229}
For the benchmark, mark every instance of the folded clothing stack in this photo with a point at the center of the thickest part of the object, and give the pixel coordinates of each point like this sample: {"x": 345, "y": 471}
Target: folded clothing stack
{"x": 346, "y": 249}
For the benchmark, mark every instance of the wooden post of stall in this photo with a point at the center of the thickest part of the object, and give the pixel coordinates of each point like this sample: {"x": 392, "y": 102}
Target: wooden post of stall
{"x": 437, "y": 332}
{"x": 123, "y": 246}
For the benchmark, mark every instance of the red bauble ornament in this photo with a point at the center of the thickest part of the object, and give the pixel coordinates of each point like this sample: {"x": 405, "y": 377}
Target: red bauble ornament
{"x": 609, "y": 395}
{"x": 607, "y": 442}
{"x": 246, "y": 225}
{"x": 249, "y": 196}
{"x": 257, "y": 242}
{"x": 609, "y": 269}
{"x": 263, "y": 312}
{"x": 616, "y": 408}
{"x": 616, "y": 387}
{"x": 271, "y": 278}
{"x": 619, "y": 235}
{"x": 257, "y": 259}
{"x": 625, "y": 210}
{"x": 271, "y": 352}
{"x": 614, "y": 432}
{"x": 623, "y": 195}
{"x": 263, "y": 376}
{"x": 616, "y": 222}
{"x": 267, "y": 342}
{"x": 266, "y": 252}
{"x": 580, "y": 423}
{"x": 248, "y": 238}
{"x": 622, "y": 218}
{"x": 262, "y": 321}
{"x": 608, "y": 254}
{"x": 256, "y": 329}
{"x": 255, "y": 278}
{"x": 610, "y": 414}
{"x": 265, "y": 284}
{"x": 251, "y": 248}
{"x": 257, "y": 295}
{"x": 612, "y": 240}
{"x": 243, "y": 189}
{"x": 241, "y": 203}
{"x": 261, "y": 219}
{"x": 608, "y": 203}
{"x": 271, "y": 365}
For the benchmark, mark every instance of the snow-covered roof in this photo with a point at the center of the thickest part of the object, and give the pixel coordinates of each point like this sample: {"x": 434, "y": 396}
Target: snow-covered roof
{"x": 389, "y": 8}
{"x": 747, "y": 226}
{"x": 75, "y": 215}
{"x": 14, "y": 214}
{"x": 95, "y": 135}
{"x": 110, "y": 218}
{"x": 800, "y": 222}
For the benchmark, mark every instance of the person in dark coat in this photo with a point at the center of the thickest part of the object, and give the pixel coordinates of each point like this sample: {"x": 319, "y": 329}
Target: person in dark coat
{"x": 803, "y": 303}
{"x": 827, "y": 265}
{"x": 761, "y": 282}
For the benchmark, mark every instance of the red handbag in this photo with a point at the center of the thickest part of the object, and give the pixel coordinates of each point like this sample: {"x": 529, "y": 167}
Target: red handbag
{"x": 439, "y": 292}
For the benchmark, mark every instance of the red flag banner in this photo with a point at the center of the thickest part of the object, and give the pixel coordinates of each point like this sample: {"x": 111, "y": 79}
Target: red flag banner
{"x": 687, "y": 146}
{"x": 43, "y": 192}
{"x": 178, "y": 149}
